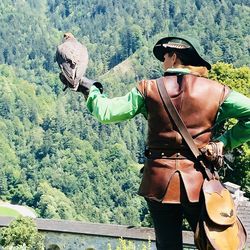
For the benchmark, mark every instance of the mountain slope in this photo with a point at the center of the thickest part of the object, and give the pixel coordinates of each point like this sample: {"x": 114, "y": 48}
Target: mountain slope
{"x": 55, "y": 157}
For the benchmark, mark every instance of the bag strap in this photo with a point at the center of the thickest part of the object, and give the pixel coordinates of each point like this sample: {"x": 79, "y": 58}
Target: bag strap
{"x": 172, "y": 111}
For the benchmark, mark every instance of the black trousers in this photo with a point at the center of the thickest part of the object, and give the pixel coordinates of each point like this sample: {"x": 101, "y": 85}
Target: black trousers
{"x": 167, "y": 219}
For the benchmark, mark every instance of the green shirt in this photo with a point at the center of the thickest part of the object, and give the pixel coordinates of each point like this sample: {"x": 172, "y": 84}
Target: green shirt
{"x": 122, "y": 108}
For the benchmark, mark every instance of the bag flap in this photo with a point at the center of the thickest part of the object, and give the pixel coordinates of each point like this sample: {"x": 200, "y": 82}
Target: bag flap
{"x": 219, "y": 203}
{"x": 226, "y": 237}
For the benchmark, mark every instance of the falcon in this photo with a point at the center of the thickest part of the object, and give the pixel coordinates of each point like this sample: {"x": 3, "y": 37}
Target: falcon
{"x": 72, "y": 58}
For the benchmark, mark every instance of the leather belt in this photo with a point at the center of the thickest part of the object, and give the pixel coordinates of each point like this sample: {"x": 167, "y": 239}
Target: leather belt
{"x": 167, "y": 154}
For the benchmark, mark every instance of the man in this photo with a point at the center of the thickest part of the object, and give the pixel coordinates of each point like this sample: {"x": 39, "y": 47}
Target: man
{"x": 172, "y": 179}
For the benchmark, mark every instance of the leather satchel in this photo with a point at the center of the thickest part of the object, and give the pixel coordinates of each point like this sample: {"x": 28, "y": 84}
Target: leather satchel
{"x": 218, "y": 228}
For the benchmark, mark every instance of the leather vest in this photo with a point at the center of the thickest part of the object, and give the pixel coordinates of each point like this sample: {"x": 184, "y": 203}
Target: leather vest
{"x": 174, "y": 175}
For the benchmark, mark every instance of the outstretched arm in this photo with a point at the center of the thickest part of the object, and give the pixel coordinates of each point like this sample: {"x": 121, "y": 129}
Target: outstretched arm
{"x": 108, "y": 110}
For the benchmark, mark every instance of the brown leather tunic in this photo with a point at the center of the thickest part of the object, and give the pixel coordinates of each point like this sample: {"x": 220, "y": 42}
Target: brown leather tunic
{"x": 173, "y": 176}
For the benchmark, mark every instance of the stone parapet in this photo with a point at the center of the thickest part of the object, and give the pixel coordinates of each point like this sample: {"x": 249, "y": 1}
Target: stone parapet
{"x": 76, "y": 235}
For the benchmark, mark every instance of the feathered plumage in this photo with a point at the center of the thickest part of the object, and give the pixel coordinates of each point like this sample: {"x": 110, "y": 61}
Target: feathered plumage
{"x": 72, "y": 58}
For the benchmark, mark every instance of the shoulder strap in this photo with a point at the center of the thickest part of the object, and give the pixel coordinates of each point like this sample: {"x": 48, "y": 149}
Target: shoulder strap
{"x": 172, "y": 111}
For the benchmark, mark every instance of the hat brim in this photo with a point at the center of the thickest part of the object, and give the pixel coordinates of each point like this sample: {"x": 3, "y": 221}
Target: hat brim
{"x": 195, "y": 59}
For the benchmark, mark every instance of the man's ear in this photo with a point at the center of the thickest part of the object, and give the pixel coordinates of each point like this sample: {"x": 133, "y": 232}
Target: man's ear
{"x": 174, "y": 57}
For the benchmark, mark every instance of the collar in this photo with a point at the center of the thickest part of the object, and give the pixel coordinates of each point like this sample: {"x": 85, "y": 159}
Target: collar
{"x": 177, "y": 71}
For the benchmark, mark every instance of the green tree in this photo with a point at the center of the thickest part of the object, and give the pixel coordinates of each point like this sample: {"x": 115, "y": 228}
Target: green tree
{"x": 239, "y": 80}
{"x": 52, "y": 203}
{"x": 48, "y": 136}
{"x": 21, "y": 232}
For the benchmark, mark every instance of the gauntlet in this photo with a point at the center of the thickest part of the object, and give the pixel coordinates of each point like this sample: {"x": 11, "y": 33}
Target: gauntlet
{"x": 83, "y": 86}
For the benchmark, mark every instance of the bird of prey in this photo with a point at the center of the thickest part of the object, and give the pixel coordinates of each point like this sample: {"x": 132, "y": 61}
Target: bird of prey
{"x": 72, "y": 58}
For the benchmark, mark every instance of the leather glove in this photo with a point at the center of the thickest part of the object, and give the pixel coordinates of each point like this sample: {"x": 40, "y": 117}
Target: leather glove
{"x": 83, "y": 86}
{"x": 214, "y": 152}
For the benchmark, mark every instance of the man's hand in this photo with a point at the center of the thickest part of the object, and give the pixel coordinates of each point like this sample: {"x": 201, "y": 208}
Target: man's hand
{"x": 85, "y": 84}
{"x": 214, "y": 152}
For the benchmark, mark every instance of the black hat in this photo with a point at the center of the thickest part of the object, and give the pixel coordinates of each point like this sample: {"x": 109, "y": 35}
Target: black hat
{"x": 182, "y": 45}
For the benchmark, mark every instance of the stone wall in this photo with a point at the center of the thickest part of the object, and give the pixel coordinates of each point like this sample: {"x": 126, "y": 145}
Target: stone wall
{"x": 76, "y": 235}
{"x": 243, "y": 210}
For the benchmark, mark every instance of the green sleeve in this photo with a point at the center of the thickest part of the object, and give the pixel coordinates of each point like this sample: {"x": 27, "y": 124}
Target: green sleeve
{"x": 236, "y": 106}
{"x": 108, "y": 110}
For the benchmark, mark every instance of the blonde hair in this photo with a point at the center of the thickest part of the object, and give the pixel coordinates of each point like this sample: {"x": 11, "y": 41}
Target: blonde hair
{"x": 201, "y": 71}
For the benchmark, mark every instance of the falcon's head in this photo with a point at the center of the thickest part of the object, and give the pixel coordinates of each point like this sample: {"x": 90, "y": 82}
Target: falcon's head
{"x": 67, "y": 36}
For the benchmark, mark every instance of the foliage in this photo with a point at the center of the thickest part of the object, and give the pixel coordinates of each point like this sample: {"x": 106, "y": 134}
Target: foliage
{"x": 237, "y": 79}
{"x": 57, "y": 164}
{"x": 54, "y": 156}
{"x": 129, "y": 245}
{"x": 21, "y": 234}
{"x": 114, "y": 30}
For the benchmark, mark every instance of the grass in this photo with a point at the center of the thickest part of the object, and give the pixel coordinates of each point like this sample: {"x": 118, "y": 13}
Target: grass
{"x": 130, "y": 245}
{"x": 5, "y": 211}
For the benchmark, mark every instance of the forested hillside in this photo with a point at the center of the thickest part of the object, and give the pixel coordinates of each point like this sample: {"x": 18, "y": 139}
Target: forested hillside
{"x": 54, "y": 156}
